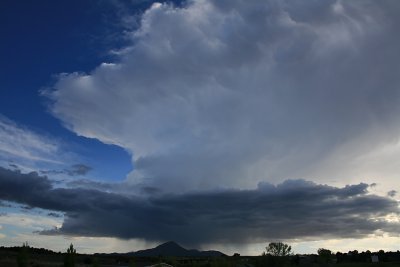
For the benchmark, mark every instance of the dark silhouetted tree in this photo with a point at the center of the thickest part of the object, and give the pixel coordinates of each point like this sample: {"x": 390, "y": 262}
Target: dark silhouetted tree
{"x": 325, "y": 255}
{"x": 69, "y": 260}
{"x": 277, "y": 254}
{"x": 279, "y": 249}
{"x": 23, "y": 257}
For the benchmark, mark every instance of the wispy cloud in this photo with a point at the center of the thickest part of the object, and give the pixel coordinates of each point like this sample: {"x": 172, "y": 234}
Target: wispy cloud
{"x": 23, "y": 149}
{"x": 18, "y": 142}
{"x": 74, "y": 170}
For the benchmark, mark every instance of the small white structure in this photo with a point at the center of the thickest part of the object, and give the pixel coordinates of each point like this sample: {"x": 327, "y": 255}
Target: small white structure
{"x": 374, "y": 259}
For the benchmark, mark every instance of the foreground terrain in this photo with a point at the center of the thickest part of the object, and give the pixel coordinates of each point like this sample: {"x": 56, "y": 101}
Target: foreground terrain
{"x": 171, "y": 254}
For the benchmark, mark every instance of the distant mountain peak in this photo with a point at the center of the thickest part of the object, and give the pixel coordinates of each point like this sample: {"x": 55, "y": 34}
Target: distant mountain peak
{"x": 172, "y": 248}
{"x": 169, "y": 244}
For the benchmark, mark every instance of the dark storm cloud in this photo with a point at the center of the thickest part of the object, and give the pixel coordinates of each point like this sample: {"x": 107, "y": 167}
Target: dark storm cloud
{"x": 392, "y": 193}
{"x": 54, "y": 214}
{"x": 292, "y": 209}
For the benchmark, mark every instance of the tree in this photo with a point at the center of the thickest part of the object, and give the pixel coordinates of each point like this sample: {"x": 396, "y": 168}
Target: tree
{"x": 23, "y": 257}
{"x": 279, "y": 249}
{"x": 69, "y": 260}
{"x": 324, "y": 254}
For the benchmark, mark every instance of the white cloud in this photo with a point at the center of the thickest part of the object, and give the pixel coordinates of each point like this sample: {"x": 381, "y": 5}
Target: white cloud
{"x": 17, "y": 142}
{"x": 31, "y": 222}
{"x": 232, "y": 92}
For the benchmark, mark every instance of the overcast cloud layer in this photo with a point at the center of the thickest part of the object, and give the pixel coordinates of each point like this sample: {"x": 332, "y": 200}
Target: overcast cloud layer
{"x": 291, "y": 210}
{"x": 235, "y": 92}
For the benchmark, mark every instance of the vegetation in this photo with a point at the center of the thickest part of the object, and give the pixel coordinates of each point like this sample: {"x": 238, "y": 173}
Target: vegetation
{"x": 279, "y": 256}
{"x": 69, "y": 260}
{"x": 132, "y": 262}
{"x": 96, "y": 263}
{"x": 23, "y": 255}
{"x": 279, "y": 249}
{"x": 325, "y": 255}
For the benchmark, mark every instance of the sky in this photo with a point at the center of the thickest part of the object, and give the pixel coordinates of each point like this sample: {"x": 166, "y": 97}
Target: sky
{"x": 216, "y": 124}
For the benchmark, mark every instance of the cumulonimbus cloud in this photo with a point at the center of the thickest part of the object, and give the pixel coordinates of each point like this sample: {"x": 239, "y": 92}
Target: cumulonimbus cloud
{"x": 294, "y": 209}
{"x": 234, "y": 92}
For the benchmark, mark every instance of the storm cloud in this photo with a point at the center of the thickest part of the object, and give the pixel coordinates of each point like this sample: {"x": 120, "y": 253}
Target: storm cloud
{"x": 235, "y": 92}
{"x": 290, "y": 210}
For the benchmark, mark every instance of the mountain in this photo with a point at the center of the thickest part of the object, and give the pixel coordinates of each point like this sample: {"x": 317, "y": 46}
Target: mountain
{"x": 172, "y": 249}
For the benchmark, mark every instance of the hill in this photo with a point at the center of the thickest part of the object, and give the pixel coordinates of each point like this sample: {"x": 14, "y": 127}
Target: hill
{"x": 172, "y": 249}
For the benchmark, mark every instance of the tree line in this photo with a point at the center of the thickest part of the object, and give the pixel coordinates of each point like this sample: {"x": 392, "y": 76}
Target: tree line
{"x": 275, "y": 254}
